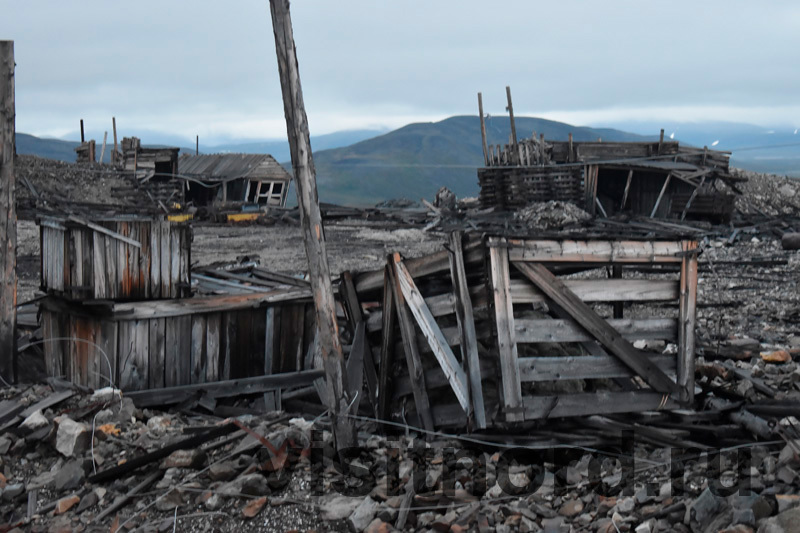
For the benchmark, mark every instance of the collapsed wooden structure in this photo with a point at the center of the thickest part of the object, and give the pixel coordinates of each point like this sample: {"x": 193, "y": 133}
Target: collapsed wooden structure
{"x": 656, "y": 179}
{"x": 488, "y": 332}
{"x": 235, "y": 179}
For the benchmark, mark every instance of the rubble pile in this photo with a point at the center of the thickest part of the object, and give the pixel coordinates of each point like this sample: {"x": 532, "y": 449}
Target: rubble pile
{"x": 551, "y": 215}
{"x": 768, "y": 194}
{"x": 47, "y": 180}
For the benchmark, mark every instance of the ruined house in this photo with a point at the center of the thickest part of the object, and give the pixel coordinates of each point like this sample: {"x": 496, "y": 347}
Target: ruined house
{"x": 235, "y": 179}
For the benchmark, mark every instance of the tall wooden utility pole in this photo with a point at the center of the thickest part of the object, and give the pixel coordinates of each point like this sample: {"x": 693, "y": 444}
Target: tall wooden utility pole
{"x": 311, "y": 220}
{"x": 114, "y": 153}
{"x": 8, "y": 217}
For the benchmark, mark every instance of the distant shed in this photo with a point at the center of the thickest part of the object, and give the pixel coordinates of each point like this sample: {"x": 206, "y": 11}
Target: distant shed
{"x": 235, "y": 179}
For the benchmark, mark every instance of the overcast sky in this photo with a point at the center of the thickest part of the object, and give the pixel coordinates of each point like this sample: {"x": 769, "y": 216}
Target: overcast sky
{"x": 209, "y": 68}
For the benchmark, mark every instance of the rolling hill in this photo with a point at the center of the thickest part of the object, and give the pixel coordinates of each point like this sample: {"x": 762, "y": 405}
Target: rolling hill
{"x": 415, "y": 160}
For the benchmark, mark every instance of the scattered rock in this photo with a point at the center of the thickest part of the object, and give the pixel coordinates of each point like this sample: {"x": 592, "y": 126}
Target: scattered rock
{"x": 778, "y": 356}
{"x": 69, "y": 476}
{"x": 254, "y": 507}
{"x": 223, "y": 471}
{"x": 35, "y": 421}
{"x": 72, "y": 437}
{"x": 571, "y": 508}
{"x": 194, "y": 458}
{"x": 363, "y": 514}
{"x": 65, "y": 504}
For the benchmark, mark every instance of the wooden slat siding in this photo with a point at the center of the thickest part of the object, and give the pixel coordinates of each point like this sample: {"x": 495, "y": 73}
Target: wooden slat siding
{"x": 506, "y": 342}
{"x": 421, "y": 266}
{"x": 466, "y": 328}
{"x": 161, "y": 363}
{"x": 74, "y": 272}
{"x": 166, "y": 265}
{"x": 269, "y": 339}
{"x": 597, "y": 326}
{"x": 387, "y": 344}
{"x": 227, "y": 334}
{"x": 569, "y": 251}
{"x": 123, "y": 266}
{"x": 129, "y": 375}
{"x": 111, "y": 267}
{"x": 155, "y": 260}
{"x": 530, "y": 330}
{"x": 99, "y": 266}
{"x": 106, "y": 352}
{"x": 430, "y": 329}
{"x": 175, "y": 261}
{"x": 184, "y": 360}
{"x": 686, "y": 319}
{"x": 213, "y": 346}
{"x": 581, "y": 404}
{"x": 434, "y": 379}
{"x": 415, "y": 370}
{"x": 198, "y": 349}
{"x": 63, "y": 272}
{"x": 584, "y": 367}
{"x": 53, "y": 354}
{"x": 440, "y": 305}
{"x": 603, "y": 290}
{"x": 356, "y": 315}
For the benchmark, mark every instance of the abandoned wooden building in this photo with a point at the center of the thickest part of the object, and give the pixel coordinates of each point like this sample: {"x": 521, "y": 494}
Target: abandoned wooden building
{"x": 487, "y": 332}
{"x": 235, "y": 179}
{"x": 656, "y": 179}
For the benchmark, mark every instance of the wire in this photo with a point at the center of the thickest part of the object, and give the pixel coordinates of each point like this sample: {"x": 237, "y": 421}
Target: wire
{"x": 110, "y": 379}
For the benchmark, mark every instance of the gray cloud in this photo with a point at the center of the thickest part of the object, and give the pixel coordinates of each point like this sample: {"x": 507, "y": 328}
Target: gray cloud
{"x": 209, "y": 67}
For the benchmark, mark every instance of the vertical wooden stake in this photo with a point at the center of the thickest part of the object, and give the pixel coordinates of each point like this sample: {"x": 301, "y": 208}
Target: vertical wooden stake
{"x": 627, "y": 190}
{"x": 686, "y": 321}
{"x": 196, "y": 145}
{"x": 83, "y": 138}
{"x": 661, "y": 195}
{"x": 103, "y": 150}
{"x": 306, "y": 184}
{"x": 483, "y": 131}
{"x": 660, "y": 141}
{"x": 114, "y": 127}
{"x": 8, "y": 222}
{"x": 511, "y": 116}
{"x": 569, "y": 156}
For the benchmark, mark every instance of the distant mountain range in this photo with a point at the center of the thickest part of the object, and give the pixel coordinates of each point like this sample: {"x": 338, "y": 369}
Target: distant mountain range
{"x": 363, "y": 167}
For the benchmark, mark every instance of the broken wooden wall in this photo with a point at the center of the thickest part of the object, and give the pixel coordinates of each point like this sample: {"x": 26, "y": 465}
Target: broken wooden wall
{"x": 118, "y": 258}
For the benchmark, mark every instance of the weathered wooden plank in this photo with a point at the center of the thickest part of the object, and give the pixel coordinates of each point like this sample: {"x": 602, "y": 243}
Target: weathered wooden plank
{"x": 506, "y": 341}
{"x": 183, "y": 361}
{"x": 354, "y": 312}
{"x": 166, "y": 258}
{"x": 686, "y": 322}
{"x": 603, "y": 290}
{"x": 223, "y": 389}
{"x": 584, "y": 367}
{"x": 466, "y": 328}
{"x": 269, "y": 340}
{"x": 627, "y": 189}
{"x": 430, "y": 329}
{"x": 661, "y": 195}
{"x": 591, "y": 251}
{"x": 106, "y": 352}
{"x": 111, "y": 260}
{"x": 552, "y": 330}
{"x": 105, "y": 231}
{"x": 416, "y": 371}
{"x": 213, "y": 346}
{"x": 598, "y": 402}
{"x": 387, "y": 344}
{"x": 198, "y": 349}
{"x": 599, "y": 328}
{"x": 161, "y": 365}
{"x": 175, "y": 261}
{"x": 133, "y": 370}
{"x": 155, "y": 260}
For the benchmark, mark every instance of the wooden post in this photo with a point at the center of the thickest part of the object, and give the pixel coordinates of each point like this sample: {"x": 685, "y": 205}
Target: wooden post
{"x": 627, "y": 190}
{"x": 83, "y": 138}
{"x": 103, "y": 150}
{"x": 686, "y": 321}
{"x": 660, "y": 141}
{"x": 196, "y": 145}
{"x": 308, "y": 202}
{"x": 511, "y": 116}
{"x": 661, "y": 195}
{"x": 483, "y": 131}
{"x": 114, "y": 127}
{"x": 8, "y": 223}
{"x": 569, "y": 156}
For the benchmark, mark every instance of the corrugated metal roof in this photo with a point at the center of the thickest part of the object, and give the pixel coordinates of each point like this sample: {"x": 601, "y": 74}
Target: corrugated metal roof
{"x": 218, "y": 167}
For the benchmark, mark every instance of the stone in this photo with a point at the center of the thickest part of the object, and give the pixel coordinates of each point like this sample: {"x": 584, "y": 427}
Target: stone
{"x": 254, "y": 507}
{"x": 643, "y": 528}
{"x": 249, "y": 484}
{"x": 223, "y": 471}
{"x": 361, "y": 517}
{"x": 738, "y": 528}
{"x": 159, "y": 424}
{"x": 214, "y": 502}
{"x": 69, "y": 476}
{"x": 12, "y": 491}
{"x": 72, "y": 438}
{"x": 173, "y": 499}
{"x": 571, "y": 508}
{"x": 785, "y": 522}
{"x": 555, "y": 525}
{"x": 338, "y": 507}
{"x": 65, "y": 504}
{"x": 36, "y": 421}
{"x": 5, "y": 445}
{"x": 787, "y": 501}
{"x": 626, "y": 505}
{"x": 778, "y": 356}
{"x": 703, "y": 509}
{"x": 194, "y": 458}
{"x": 378, "y": 526}
{"x": 87, "y": 501}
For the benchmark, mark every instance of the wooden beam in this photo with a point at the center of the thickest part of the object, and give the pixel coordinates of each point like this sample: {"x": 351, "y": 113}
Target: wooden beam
{"x": 584, "y": 367}
{"x": 532, "y": 330}
{"x": 627, "y": 189}
{"x": 598, "y": 402}
{"x": 686, "y": 322}
{"x": 8, "y": 222}
{"x": 311, "y": 221}
{"x": 466, "y": 328}
{"x": 661, "y": 195}
{"x": 506, "y": 341}
{"x": 597, "y": 326}
{"x": 415, "y": 370}
{"x": 483, "y": 130}
{"x": 510, "y": 110}
{"x": 691, "y": 198}
{"x": 570, "y": 251}
{"x": 354, "y": 313}
{"x": 436, "y": 340}
{"x": 387, "y": 343}
{"x": 105, "y": 231}
{"x": 103, "y": 151}
{"x": 114, "y": 127}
